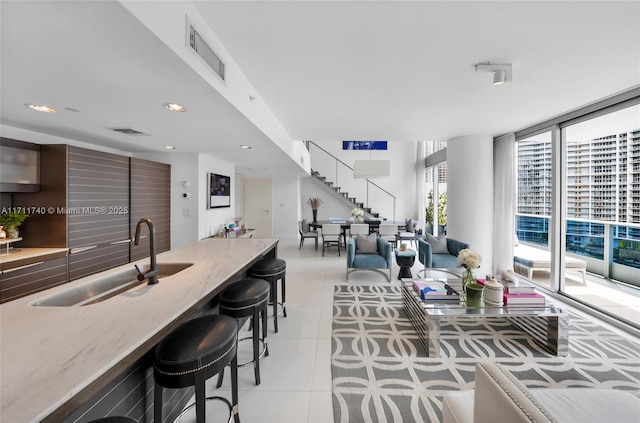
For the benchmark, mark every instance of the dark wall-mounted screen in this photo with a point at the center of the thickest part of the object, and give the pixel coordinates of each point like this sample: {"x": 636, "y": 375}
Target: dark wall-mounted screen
{"x": 219, "y": 191}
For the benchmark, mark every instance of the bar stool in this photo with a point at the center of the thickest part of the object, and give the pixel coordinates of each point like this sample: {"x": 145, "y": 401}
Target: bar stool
{"x": 271, "y": 270}
{"x": 192, "y": 353}
{"x": 248, "y": 298}
{"x": 114, "y": 419}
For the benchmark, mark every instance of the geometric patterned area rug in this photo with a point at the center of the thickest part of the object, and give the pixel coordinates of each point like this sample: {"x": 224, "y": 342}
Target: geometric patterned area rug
{"x": 381, "y": 373}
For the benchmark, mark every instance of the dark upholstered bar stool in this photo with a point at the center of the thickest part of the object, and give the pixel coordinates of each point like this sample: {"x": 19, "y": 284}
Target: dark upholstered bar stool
{"x": 114, "y": 419}
{"x": 271, "y": 270}
{"x": 191, "y": 354}
{"x": 248, "y": 298}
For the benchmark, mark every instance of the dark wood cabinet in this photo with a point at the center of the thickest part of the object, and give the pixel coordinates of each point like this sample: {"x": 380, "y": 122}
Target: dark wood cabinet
{"x": 21, "y": 278}
{"x": 151, "y": 197}
{"x": 98, "y": 211}
{"x": 90, "y": 202}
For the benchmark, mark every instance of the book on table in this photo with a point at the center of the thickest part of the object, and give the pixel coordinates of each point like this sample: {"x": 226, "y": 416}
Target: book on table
{"x": 523, "y": 299}
{"x": 434, "y": 290}
{"x": 518, "y": 287}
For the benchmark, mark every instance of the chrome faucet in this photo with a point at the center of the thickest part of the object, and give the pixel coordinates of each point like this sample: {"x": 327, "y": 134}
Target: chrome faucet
{"x": 152, "y": 274}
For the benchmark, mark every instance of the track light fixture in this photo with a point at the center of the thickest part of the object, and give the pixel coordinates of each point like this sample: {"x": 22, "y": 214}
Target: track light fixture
{"x": 501, "y": 72}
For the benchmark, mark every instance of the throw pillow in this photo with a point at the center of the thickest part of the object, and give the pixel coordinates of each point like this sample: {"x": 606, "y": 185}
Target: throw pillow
{"x": 366, "y": 244}
{"x": 305, "y": 226}
{"x": 438, "y": 245}
{"x": 409, "y": 227}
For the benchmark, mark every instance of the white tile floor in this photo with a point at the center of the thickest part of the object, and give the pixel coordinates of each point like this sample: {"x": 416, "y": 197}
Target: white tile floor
{"x": 296, "y": 376}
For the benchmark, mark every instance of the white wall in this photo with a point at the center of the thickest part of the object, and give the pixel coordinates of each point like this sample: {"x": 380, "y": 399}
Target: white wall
{"x": 470, "y": 195}
{"x": 210, "y": 221}
{"x": 286, "y": 198}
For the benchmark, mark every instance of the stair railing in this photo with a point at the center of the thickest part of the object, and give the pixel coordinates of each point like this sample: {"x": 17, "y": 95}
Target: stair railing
{"x": 340, "y": 174}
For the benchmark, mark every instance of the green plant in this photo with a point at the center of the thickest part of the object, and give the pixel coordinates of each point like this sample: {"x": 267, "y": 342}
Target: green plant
{"x": 13, "y": 219}
{"x": 314, "y": 202}
{"x": 442, "y": 209}
{"x": 429, "y": 210}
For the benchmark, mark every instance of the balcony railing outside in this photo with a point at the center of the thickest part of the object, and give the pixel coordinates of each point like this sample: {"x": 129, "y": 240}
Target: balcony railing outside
{"x": 605, "y": 245}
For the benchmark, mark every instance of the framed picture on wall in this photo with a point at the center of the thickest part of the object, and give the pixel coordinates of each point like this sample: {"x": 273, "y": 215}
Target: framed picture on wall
{"x": 219, "y": 190}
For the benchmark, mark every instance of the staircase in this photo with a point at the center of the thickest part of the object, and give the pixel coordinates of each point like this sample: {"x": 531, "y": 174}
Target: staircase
{"x": 361, "y": 193}
{"x": 345, "y": 195}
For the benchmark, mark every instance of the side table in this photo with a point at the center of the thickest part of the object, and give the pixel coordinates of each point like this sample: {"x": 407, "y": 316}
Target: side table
{"x": 405, "y": 259}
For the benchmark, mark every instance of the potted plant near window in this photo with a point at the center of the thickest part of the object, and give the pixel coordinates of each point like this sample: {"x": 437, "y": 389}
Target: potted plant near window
{"x": 314, "y": 203}
{"x": 442, "y": 213}
{"x": 11, "y": 220}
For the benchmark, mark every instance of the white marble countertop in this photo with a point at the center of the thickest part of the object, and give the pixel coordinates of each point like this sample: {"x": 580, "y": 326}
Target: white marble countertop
{"x": 49, "y": 354}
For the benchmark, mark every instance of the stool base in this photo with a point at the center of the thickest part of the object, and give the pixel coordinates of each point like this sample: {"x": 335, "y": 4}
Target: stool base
{"x": 264, "y": 352}
{"x": 282, "y": 309}
{"x": 233, "y": 411}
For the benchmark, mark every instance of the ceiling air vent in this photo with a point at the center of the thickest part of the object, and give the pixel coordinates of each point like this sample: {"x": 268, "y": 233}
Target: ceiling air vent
{"x": 202, "y": 49}
{"x": 128, "y": 131}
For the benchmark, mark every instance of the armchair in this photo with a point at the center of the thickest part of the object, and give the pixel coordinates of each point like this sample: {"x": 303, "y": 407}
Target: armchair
{"x": 379, "y": 261}
{"x": 442, "y": 260}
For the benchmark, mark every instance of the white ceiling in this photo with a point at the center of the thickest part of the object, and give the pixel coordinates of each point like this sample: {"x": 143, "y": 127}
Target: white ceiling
{"x": 397, "y": 71}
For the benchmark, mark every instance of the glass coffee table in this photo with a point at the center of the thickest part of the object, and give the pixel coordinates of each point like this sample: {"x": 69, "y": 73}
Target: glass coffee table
{"x": 548, "y": 324}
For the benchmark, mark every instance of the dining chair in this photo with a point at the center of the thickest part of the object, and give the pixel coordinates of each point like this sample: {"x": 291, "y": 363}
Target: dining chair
{"x": 359, "y": 228}
{"x": 409, "y": 234}
{"x": 389, "y": 232}
{"x": 330, "y": 236}
{"x": 306, "y": 232}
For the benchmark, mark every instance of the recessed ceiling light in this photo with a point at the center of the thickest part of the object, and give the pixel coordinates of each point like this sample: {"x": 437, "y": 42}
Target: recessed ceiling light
{"x": 41, "y": 108}
{"x": 169, "y": 147}
{"x": 174, "y": 107}
{"x": 245, "y": 147}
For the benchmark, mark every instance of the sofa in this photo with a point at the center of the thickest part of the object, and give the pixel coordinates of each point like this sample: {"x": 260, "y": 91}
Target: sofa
{"x": 499, "y": 397}
{"x": 378, "y": 258}
{"x": 442, "y": 260}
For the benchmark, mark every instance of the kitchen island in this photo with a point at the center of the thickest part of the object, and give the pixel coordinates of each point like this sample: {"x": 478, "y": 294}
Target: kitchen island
{"x": 53, "y": 360}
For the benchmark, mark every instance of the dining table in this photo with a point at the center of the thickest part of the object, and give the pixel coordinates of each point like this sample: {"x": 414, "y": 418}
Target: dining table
{"x": 374, "y": 225}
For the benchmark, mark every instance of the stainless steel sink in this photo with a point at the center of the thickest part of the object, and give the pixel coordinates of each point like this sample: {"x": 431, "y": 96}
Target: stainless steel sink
{"x": 103, "y": 287}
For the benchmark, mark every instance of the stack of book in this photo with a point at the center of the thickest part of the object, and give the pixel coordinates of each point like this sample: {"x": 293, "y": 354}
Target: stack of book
{"x": 519, "y": 294}
{"x": 435, "y": 291}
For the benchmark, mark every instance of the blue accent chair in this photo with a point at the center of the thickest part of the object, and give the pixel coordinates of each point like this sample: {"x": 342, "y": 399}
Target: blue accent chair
{"x": 440, "y": 261}
{"x": 380, "y": 261}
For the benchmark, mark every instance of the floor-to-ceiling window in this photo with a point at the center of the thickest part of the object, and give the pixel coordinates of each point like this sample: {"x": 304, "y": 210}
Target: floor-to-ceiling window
{"x": 578, "y": 206}
{"x": 436, "y": 187}
{"x": 533, "y": 202}
{"x": 602, "y": 178}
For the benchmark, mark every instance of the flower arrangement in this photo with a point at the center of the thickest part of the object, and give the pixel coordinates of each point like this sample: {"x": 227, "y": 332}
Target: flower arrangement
{"x": 357, "y": 212}
{"x": 315, "y": 202}
{"x": 468, "y": 259}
